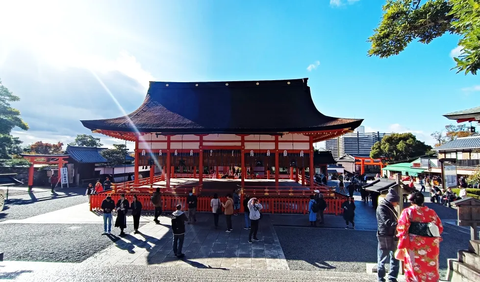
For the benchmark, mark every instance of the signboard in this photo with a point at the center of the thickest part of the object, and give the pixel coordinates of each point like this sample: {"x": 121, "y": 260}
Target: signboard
{"x": 64, "y": 177}
{"x": 450, "y": 176}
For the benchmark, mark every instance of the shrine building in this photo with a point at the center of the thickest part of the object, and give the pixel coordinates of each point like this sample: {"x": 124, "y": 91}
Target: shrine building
{"x": 231, "y": 129}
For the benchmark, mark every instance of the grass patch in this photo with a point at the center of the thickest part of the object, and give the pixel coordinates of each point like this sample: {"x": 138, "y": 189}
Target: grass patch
{"x": 471, "y": 192}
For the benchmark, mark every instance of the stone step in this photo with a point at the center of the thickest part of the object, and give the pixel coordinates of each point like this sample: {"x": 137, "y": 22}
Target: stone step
{"x": 470, "y": 259}
{"x": 461, "y": 272}
{"x": 474, "y": 246}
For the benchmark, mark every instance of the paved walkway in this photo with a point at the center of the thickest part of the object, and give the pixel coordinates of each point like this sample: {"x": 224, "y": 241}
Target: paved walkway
{"x": 204, "y": 246}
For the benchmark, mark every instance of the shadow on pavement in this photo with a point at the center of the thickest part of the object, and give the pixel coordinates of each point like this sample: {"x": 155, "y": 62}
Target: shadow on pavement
{"x": 13, "y": 275}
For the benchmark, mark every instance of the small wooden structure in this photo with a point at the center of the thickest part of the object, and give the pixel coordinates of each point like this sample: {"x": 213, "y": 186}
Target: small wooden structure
{"x": 34, "y": 159}
{"x": 469, "y": 215}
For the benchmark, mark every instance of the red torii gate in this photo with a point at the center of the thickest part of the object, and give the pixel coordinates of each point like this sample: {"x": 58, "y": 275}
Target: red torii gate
{"x": 59, "y": 160}
{"x": 369, "y": 161}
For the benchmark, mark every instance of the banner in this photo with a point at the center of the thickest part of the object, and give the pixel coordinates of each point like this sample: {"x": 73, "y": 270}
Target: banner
{"x": 64, "y": 179}
{"x": 450, "y": 176}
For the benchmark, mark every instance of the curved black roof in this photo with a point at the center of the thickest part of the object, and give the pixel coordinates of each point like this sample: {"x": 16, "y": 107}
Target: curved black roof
{"x": 248, "y": 107}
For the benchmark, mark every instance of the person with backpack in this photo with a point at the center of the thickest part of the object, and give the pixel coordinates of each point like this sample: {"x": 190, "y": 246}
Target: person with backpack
{"x": 216, "y": 206}
{"x": 322, "y": 205}
{"x": 178, "y": 229}
{"x": 312, "y": 211}
{"x": 254, "y": 207}
{"x": 157, "y": 202}
{"x": 228, "y": 206}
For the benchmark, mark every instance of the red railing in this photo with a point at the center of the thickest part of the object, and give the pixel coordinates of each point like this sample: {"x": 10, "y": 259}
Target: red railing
{"x": 296, "y": 205}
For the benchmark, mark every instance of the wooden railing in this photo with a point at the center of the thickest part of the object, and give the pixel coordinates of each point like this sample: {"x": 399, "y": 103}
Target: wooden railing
{"x": 295, "y": 205}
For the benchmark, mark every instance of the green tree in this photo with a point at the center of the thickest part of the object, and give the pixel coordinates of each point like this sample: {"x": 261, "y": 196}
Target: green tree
{"x": 44, "y": 148}
{"x": 84, "y": 140}
{"x": 399, "y": 146}
{"x": 404, "y": 21}
{"x": 9, "y": 119}
{"x": 115, "y": 156}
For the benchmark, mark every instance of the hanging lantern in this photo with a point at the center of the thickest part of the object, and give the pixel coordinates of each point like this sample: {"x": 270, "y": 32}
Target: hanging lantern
{"x": 301, "y": 154}
{"x": 191, "y": 152}
{"x": 268, "y": 153}
{"x": 160, "y": 152}
{"x": 252, "y": 153}
{"x": 211, "y": 152}
{"x": 176, "y": 153}
{"x": 232, "y": 153}
{"x": 143, "y": 153}
{"x": 285, "y": 153}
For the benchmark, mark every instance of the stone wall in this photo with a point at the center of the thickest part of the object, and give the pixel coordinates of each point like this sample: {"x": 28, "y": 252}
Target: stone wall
{"x": 39, "y": 178}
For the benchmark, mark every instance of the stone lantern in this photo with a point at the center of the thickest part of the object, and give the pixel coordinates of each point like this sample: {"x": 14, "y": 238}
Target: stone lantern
{"x": 469, "y": 214}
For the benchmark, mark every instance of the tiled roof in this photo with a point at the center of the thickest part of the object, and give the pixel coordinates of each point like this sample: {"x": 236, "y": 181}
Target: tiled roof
{"x": 323, "y": 158}
{"x": 475, "y": 110}
{"x": 465, "y": 143}
{"x": 86, "y": 154}
{"x": 226, "y": 107}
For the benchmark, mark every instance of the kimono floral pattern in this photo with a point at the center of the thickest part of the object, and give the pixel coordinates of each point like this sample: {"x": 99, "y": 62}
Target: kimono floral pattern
{"x": 421, "y": 253}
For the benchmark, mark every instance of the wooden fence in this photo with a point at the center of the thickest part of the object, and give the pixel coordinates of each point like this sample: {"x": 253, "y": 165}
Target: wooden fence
{"x": 271, "y": 204}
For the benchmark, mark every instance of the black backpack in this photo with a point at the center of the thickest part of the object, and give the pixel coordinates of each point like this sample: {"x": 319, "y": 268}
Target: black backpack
{"x": 315, "y": 207}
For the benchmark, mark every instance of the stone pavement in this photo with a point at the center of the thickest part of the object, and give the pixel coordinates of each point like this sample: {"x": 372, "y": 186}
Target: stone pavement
{"x": 204, "y": 247}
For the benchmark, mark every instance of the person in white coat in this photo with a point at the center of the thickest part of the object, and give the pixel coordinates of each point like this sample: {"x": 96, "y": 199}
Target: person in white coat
{"x": 254, "y": 207}
{"x": 216, "y": 206}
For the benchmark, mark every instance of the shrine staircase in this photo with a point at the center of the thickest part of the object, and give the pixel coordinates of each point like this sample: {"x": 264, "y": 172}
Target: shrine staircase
{"x": 467, "y": 267}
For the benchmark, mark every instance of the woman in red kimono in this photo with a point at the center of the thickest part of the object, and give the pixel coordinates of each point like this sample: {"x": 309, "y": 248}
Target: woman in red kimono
{"x": 419, "y": 229}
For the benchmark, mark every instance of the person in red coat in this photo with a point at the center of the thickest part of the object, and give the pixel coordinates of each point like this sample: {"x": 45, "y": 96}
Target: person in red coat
{"x": 53, "y": 182}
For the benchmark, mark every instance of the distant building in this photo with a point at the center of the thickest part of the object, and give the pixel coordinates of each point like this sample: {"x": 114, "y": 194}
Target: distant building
{"x": 358, "y": 143}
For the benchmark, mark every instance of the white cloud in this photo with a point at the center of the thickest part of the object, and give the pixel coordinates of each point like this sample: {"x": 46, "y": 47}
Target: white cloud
{"x": 313, "y": 66}
{"x": 456, "y": 52}
{"x": 475, "y": 88}
{"x": 338, "y": 3}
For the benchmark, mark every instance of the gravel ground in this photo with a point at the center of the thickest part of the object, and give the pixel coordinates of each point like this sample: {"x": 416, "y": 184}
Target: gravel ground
{"x": 23, "y": 206}
{"x": 327, "y": 249}
{"x": 53, "y": 242}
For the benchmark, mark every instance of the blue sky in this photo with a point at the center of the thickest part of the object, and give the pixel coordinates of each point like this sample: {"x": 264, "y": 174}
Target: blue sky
{"x": 73, "y": 60}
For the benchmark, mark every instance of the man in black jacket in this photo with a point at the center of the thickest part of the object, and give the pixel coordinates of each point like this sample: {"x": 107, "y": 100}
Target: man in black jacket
{"x": 387, "y": 220}
{"x": 108, "y": 205}
{"x": 157, "y": 202}
{"x": 178, "y": 228}
{"x": 192, "y": 207}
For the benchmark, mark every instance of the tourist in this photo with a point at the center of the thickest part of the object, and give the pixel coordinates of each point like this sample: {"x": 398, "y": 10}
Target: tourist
{"x": 228, "y": 206}
{"x": 436, "y": 195}
{"x": 178, "y": 229}
{"x": 341, "y": 185}
{"x": 387, "y": 220}
{"x": 246, "y": 212}
{"x": 98, "y": 187}
{"x": 236, "y": 202}
{"x": 322, "y": 205}
{"x": 107, "y": 184}
{"x": 156, "y": 200}
{"x": 254, "y": 207}
{"x": 463, "y": 193}
{"x": 216, "y": 205}
{"x": 349, "y": 212}
{"x": 312, "y": 211}
{"x": 136, "y": 212}
{"x": 90, "y": 190}
{"x": 422, "y": 184}
{"x": 351, "y": 189}
{"x": 448, "y": 197}
{"x": 53, "y": 182}
{"x": 419, "y": 229}
{"x": 122, "y": 208}
{"x": 192, "y": 207}
{"x": 107, "y": 207}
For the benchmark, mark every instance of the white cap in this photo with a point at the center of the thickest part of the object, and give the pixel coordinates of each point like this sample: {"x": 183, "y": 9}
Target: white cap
{"x": 316, "y": 191}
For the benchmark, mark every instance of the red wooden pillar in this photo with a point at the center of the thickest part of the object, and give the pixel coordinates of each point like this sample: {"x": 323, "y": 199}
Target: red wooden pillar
{"x": 362, "y": 166}
{"x": 291, "y": 173}
{"x": 136, "y": 168}
{"x": 200, "y": 162}
{"x": 60, "y": 165}
{"x": 312, "y": 168}
{"x": 31, "y": 172}
{"x": 277, "y": 162}
{"x": 296, "y": 174}
{"x": 381, "y": 169}
{"x": 268, "y": 173}
{"x": 243, "y": 169}
{"x": 152, "y": 174}
{"x": 167, "y": 177}
{"x": 194, "y": 172}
